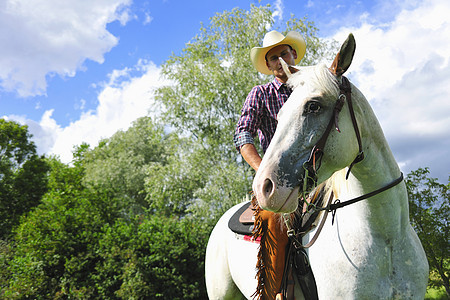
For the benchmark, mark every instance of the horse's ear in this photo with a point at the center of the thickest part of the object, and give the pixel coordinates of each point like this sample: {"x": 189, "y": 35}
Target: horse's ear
{"x": 288, "y": 69}
{"x": 344, "y": 58}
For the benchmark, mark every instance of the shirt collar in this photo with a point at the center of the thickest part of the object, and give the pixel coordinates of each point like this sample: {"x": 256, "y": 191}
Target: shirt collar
{"x": 278, "y": 84}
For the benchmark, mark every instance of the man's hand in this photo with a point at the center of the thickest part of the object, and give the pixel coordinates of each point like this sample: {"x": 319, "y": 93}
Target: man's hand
{"x": 251, "y": 156}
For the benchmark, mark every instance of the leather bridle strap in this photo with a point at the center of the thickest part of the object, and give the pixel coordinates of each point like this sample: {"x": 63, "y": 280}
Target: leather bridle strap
{"x": 313, "y": 163}
{"x": 338, "y": 204}
{"x": 332, "y": 208}
{"x": 322, "y": 222}
{"x": 317, "y": 151}
{"x": 347, "y": 91}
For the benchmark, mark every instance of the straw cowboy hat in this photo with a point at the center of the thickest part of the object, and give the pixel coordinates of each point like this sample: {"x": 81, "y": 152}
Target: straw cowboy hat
{"x": 273, "y": 39}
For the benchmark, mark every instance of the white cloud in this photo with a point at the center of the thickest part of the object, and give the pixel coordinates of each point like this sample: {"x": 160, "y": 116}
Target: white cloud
{"x": 403, "y": 69}
{"x": 43, "y": 38}
{"x": 124, "y": 98}
{"x": 278, "y": 11}
{"x": 44, "y": 132}
{"x": 148, "y": 18}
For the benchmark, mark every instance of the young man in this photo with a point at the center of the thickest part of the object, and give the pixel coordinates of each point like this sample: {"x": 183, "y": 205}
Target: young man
{"x": 259, "y": 113}
{"x": 259, "y": 116}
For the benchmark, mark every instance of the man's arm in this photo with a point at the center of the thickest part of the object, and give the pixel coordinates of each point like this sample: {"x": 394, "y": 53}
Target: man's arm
{"x": 247, "y": 127}
{"x": 251, "y": 156}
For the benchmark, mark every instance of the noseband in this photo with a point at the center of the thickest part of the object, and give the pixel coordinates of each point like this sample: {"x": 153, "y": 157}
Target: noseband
{"x": 313, "y": 163}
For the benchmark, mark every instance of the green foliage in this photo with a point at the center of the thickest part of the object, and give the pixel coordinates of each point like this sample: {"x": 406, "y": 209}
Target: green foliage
{"x": 120, "y": 164}
{"x": 80, "y": 243}
{"x": 212, "y": 77}
{"x": 15, "y": 145}
{"x": 6, "y": 255}
{"x": 436, "y": 294}
{"x": 429, "y": 203}
{"x": 171, "y": 187}
{"x": 214, "y": 74}
{"x": 54, "y": 254}
{"x": 160, "y": 258}
{"x": 77, "y": 244}
{"x": 23, "y": 178}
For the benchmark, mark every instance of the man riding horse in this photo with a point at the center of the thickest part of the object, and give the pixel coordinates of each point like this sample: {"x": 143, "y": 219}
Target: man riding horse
{"x": 369, "y": 251}
{"x": 259, "y": 116}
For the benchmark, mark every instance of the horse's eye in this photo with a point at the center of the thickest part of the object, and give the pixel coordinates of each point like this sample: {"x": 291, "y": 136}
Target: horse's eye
{"x": 313, "y": 107}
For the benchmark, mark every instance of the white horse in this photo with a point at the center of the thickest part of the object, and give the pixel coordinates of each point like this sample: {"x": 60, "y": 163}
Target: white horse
{"x": 371, "y": 250}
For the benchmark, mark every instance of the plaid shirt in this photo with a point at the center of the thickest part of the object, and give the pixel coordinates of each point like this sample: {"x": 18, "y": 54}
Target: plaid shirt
{"x": 259, "y": 114}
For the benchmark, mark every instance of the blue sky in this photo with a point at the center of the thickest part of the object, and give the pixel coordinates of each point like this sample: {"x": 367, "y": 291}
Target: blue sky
{"x": 78, "y": 71}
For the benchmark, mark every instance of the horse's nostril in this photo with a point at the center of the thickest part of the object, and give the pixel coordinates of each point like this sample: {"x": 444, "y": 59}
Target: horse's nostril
{"x": 268, "y": 187}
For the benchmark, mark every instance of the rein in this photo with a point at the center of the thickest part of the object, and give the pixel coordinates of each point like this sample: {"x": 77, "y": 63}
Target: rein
{"x": 338, "y": 204}
{"x": 332, "y": 208}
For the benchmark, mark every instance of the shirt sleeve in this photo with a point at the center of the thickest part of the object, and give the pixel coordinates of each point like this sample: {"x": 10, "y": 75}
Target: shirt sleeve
{"x": 249, "y": 121}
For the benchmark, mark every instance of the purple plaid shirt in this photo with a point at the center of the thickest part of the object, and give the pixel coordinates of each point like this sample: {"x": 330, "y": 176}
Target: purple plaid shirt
{"x": 259, "y": 114}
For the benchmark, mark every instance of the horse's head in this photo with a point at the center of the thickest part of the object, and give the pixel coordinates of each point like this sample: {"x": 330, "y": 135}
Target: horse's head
{"x": 306, "y": 148}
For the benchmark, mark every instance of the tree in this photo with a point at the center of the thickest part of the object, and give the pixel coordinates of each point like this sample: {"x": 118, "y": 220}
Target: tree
{"x": 78, "y": 244}
{"x": 23, "y": 178}
{"x": 55, "y": 243}
{"x": 120, "y": 163}
{"x": 211, "y": 79}
{"x": 157, "y": 258}
{"x": 429, "y": 203}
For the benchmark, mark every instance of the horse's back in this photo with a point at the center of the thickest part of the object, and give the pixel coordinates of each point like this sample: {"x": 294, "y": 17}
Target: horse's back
{"x": 230, "y": 262}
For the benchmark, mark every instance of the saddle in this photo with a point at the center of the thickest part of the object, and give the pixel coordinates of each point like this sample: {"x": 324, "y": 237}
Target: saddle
{"x": 243, "y": 220}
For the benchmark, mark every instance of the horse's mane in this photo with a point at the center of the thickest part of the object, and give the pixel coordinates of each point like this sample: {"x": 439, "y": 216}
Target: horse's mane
{"x": 315, "y": 78}
{"x": 335, "y": 183}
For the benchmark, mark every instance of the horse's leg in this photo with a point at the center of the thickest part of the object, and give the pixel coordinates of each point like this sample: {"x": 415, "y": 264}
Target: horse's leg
{"x": 219, "y": 282}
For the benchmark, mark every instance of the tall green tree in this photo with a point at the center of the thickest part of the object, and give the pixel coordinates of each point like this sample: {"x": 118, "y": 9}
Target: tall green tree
{"x": 429, "y": 203}
{"x": 121, "y": 163}
{"x": 211, "y": 79}
{"x": 157, "y": 258}
{"x": 23, "y": 175}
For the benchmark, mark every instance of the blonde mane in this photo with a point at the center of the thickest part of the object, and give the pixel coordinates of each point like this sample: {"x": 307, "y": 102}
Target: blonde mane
{"x": 335, "y": 183}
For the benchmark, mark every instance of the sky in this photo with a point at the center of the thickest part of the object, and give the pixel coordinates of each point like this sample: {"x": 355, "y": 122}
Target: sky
{"x": 79, "y": 71}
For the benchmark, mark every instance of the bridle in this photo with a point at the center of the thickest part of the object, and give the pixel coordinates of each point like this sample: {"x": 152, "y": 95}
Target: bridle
{"x": 312, "y": 165}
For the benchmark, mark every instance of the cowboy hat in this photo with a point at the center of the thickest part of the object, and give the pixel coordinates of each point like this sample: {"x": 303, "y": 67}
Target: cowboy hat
{"x": 273, "y": 39}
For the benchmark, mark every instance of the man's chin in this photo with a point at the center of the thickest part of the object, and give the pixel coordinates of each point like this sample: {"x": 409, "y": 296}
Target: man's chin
{"x": 280, "y": 75}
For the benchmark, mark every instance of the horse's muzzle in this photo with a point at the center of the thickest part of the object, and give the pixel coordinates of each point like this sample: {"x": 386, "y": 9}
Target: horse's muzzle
{"x": 274, "y": 194}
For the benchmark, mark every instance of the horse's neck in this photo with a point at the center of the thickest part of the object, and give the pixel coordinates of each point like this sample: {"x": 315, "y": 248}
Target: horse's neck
{"x": 379, "y": 167}
{"x": 386, "y": 212}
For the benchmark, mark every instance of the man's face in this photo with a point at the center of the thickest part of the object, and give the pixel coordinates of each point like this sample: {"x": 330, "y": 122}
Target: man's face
{"x": 273, "y": 63}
